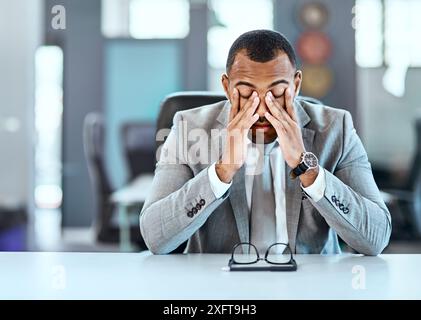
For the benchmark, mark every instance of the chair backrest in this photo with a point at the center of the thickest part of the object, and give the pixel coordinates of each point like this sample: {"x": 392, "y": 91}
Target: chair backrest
{"x": 138, "y": 141}
{"x": 180, "y": 101}
{"x": 93, "y": 142}
{"x": 414, "y": 181}
{"x": 416, "y": 162}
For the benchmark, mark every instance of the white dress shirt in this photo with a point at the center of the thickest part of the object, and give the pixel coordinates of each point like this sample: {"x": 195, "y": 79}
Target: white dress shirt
{"x": 315, "y": 191}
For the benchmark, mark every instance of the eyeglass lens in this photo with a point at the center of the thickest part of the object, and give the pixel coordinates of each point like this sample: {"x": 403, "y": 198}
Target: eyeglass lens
{"x": 279, "y": 253}
{"x": 245, "y": 253}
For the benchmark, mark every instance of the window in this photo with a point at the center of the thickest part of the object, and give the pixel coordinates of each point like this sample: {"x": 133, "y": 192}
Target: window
{"x": 115, "y": 18}
{"x": 227, "y": 24}
{"x": 146, "y": 19}
{"x": 48, "y": 111}
{"x": 159, "y": 18}
{"x": 368, "y": 33}
{"x": 402, "y": 32}
{"x": 48, "y": 126}
{"x": 387, "y": 32}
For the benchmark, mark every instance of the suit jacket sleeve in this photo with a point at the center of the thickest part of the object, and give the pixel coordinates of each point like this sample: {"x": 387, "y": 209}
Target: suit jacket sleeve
{"x": 352, "y": 204}
{"x": 179, "y": 202}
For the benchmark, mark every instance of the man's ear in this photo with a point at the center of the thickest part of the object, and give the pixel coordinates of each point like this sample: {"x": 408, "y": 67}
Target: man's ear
{"x": 298, "y": 78}
{"x": 225, "y": 85}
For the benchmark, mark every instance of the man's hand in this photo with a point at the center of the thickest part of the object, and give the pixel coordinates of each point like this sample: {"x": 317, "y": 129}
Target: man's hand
{"x": 283, "y": 119}
{"x": 240, "y": 121}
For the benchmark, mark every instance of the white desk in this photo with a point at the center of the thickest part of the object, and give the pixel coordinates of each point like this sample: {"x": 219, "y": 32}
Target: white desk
{"x": 144, "y": 276}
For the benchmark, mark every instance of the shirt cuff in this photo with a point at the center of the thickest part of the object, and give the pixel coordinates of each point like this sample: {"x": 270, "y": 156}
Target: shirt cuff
{"x": 316, "y": 191}
{"x": 218, "y": 187}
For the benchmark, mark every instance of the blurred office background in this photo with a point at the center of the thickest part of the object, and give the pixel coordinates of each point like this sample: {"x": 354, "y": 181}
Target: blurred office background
{"x": 82, "y": 82}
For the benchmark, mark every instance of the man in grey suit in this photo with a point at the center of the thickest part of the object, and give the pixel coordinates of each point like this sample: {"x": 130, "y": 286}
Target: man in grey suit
{"x": 264, "y": 167}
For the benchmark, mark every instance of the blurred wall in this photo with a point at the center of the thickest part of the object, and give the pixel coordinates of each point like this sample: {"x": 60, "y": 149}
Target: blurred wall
{"x": 138, "y": 74}
{"x": 196, "y": 48}
{"x": 82, "y": 46}
{"x": 339, "y": 30}
{"x": 20, "y": 34}
{"x": 388, "y": 121}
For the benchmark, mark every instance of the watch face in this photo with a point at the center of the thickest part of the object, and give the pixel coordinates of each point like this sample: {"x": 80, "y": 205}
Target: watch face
{"x": 310, "y": 160}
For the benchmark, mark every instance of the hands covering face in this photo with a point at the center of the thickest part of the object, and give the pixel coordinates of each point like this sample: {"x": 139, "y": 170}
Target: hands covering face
{"x": 283, "y": 118}
{"x": 280, "y": 114}
{"x": 240, "y": 121}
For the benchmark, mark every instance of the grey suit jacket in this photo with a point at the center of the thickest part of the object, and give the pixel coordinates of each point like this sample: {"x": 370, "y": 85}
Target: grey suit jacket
{"x": 182, "y": 206}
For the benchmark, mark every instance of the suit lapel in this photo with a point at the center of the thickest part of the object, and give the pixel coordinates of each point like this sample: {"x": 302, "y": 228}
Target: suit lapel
{"x": 293, "y": 190}
{"x": 238, "y": 201}
{"x": 293, "y": 194}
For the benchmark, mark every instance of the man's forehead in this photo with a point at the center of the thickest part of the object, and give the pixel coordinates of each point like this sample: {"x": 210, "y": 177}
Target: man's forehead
{"x": 243, "y": 66}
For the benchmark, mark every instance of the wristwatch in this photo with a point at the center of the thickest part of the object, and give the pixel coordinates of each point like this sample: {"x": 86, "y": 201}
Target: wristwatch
{"x": 308, "y": 161}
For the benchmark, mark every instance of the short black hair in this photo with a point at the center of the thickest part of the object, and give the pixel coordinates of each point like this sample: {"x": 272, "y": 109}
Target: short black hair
{"x": 261, "y": 46}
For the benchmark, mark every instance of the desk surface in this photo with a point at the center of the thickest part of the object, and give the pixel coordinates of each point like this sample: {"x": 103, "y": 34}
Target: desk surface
{"x": 144, "y": 276}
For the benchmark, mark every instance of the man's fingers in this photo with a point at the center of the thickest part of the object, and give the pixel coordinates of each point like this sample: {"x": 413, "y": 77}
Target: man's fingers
{"x": 270, "y": 102}
{"x": 249, "y": 108}
{"x": 277, "y": 111}
{"x": 235, "y": 105}
{"x": 249, "y": 116}
{"x": 289, "y": 104}
{"x": 252, "y": 120}
{"x": 275, "y": 123}
{"x": 251, "y": 102}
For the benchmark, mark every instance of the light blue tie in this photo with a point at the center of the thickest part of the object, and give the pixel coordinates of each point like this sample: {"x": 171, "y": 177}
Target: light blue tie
{"x": 263, "y": 221}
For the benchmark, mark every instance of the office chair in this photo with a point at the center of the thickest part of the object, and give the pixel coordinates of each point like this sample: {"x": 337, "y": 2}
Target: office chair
{"x": 138, "y": 141}
{"x": 94, "y": 147}
{"x": 187, "y": 100}
{"x": 93, "y": 142}
{"x": 407, "y": 218}
{"x": 180, "y": 101}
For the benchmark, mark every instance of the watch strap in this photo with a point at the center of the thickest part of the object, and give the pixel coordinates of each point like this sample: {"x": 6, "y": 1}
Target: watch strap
{"x": 299, "y": 170}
